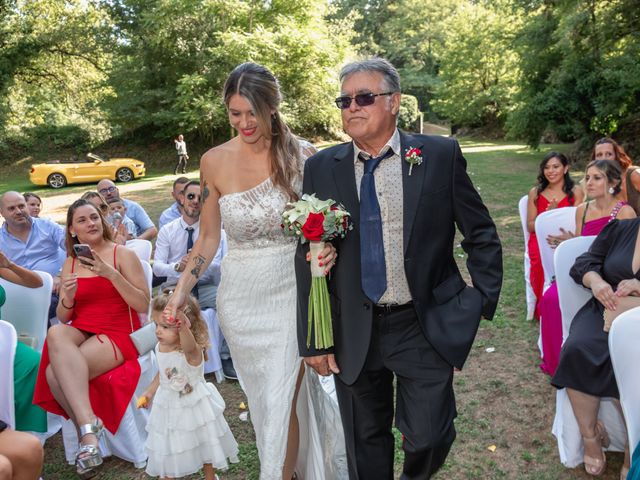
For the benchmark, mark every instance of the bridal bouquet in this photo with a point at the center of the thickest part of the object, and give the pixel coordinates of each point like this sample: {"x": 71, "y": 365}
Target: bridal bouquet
{"x": 317, "y": 221}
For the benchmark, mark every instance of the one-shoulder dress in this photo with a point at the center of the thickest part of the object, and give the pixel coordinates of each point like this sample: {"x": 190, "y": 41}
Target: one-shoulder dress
{"x": 257, "y": 313}
{"x": 550, "y": 315}
{"x": 100, "y": 310}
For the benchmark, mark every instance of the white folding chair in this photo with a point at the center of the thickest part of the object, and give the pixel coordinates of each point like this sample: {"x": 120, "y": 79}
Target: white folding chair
{"x": 625, "y": 357}
{"x": 549, "y": 223}
{"x": 565, "y": 426}
{"x": 530, "y": 296}
{"x": 213, "y": 363}
{"x": 8, "y": 340}
{"x": 141, "y": 247}
{"x": 128, "y": 442}
{"x": 27, "y": 309}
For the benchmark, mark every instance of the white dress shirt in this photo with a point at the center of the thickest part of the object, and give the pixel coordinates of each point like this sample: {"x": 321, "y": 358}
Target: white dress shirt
{"x": 171, "y": 246}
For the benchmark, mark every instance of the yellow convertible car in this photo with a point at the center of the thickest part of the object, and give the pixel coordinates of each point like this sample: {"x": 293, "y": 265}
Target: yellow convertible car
{"x": 92, "y": 168}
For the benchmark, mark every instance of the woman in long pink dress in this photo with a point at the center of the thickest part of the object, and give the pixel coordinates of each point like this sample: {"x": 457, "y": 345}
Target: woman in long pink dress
{"x": 603, "y": 180}
{"x": 555, "y": 189}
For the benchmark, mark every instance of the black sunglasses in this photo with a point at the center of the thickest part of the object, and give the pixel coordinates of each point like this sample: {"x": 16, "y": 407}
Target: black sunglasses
{"x": 191, "y": 196}
{"x": 362, "y": 99}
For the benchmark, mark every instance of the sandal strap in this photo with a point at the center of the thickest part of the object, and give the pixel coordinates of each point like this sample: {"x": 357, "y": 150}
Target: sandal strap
{"x": 91, "y": 428}
{"x": 88, "y": 448}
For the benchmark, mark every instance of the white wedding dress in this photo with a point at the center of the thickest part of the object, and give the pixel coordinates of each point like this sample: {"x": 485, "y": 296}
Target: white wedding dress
{"x": 257, "y": 313}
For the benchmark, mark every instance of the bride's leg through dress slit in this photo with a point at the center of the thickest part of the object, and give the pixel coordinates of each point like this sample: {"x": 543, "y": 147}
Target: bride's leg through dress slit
{"x": 293, "y": 439}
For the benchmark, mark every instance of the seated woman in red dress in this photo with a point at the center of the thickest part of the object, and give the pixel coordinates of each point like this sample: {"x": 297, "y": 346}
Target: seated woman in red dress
{"x": 555, "y": 189}
{"x": 89, "y": 369}
{"x": 603, "y": 181}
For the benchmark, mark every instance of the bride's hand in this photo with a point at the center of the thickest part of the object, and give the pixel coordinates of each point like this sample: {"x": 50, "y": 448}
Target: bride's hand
{"x": 327, "y": 257}
{"x": 175, "y": 303}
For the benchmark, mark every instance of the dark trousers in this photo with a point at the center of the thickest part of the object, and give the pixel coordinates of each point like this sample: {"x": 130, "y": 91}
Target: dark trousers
{"x": 181, "y": 164}
{"x": 425, "y": 403}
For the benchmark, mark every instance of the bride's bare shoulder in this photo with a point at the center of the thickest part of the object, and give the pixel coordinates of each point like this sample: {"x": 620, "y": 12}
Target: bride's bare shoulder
{"x": 218, "y": 157}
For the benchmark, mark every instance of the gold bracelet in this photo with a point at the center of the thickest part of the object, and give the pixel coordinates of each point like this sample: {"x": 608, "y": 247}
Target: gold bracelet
{"x": 68, "y": 308}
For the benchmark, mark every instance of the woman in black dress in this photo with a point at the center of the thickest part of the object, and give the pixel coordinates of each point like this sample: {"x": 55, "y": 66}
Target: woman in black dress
{"x": 610, "y": 269}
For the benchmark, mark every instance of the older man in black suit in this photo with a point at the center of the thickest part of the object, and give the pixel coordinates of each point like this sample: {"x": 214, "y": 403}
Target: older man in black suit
{"x": 400, "y": 306}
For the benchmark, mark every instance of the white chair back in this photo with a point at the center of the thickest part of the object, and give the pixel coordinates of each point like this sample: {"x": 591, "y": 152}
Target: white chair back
{"x": 549, "y": 223}
{"x": 625, "y": 357}
{"x": 148, "y": 275}
{"x": 8, "y": 340}
{"x": 141, "y": 247}
{"x": 530, "y": 296}
{"x": 27, "y": 309}
{"x": 571, "y": 295}
{"x": 565, "y": 426}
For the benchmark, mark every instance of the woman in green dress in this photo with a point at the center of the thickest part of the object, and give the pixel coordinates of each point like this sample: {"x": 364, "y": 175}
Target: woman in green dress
{"x": 29, "y": 417}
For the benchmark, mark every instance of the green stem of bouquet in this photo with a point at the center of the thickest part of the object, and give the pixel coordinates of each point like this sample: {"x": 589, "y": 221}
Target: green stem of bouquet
{"x": 320, "y": 314}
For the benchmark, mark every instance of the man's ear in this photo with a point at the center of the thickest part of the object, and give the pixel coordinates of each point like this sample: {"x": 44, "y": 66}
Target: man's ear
{"x": 395, "y": 103}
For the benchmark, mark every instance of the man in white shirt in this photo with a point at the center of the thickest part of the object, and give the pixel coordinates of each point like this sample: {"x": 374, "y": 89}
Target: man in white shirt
{"x": 174, "y": 242}
{"x": 181, "y": 149}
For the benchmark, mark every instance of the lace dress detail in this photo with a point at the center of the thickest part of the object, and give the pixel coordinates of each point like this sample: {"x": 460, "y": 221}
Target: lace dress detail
{"x": 257, "y": 313}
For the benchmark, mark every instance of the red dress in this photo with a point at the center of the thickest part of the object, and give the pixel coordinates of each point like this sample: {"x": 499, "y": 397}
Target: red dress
{"x": 536, "y": 271}
{"x": 100, "y": 310}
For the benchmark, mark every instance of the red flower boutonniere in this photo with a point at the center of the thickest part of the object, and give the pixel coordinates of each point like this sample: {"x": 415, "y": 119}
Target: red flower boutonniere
{"x": 413, "y": 157}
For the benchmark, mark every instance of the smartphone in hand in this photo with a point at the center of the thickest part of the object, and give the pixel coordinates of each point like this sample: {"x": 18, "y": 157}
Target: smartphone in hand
{"x": 83, "y": 250}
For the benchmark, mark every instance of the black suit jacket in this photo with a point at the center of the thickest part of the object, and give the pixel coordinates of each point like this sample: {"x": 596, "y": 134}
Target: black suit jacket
{"x": 437, "y": 196}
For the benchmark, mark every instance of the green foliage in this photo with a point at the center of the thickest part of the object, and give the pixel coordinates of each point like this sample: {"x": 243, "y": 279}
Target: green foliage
{"x": 409, "y": 112}
{"x": 478, "y": 69}
{"x": 175, "y": 56}
{"x": 581, "y": 77}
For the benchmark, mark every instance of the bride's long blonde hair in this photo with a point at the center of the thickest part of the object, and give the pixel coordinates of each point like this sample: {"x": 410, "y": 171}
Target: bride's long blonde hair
{"x": 261, "y": 89}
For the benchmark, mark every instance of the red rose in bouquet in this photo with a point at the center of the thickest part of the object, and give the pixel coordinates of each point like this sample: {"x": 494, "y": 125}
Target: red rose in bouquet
{"x": 313, "y": 228}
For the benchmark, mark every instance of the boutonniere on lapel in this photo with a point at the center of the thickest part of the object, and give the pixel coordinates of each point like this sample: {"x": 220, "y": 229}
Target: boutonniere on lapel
{"x": 413, "y": 156}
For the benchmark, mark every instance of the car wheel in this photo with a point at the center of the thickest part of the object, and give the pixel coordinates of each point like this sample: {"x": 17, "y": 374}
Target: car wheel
{"x": 56, "y": 180}
{"x": 124, "y": 175}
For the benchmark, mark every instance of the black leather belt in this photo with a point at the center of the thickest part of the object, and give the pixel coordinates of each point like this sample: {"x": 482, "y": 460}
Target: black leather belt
{"x": 391, "y": 307}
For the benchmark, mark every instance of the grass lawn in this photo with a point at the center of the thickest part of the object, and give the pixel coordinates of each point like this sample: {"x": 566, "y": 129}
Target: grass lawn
{"x": 503, "y": 398}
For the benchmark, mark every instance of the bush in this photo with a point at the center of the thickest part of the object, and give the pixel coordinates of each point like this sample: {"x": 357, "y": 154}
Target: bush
{"x": 409, "y": 113}
{"x": 59, "y": 136}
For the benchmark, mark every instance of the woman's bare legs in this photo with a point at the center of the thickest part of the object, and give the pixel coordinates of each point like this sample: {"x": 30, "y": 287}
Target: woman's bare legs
{"x": 75, "y": 359}
{"x": 293, "y": 439}
{"x": 24, "y": 452}
{"x": 585, "y": 407}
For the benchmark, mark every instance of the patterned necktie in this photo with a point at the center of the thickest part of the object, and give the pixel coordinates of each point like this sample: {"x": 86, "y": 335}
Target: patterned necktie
{"x": 194, "y": 290}
{"x": 372, "y": 263}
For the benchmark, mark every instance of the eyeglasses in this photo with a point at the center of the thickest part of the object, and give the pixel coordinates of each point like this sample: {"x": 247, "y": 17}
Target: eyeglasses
{"x": 191, "y": 196}
{"x": 362, "y": 99}
{"x": 104, "y": 191}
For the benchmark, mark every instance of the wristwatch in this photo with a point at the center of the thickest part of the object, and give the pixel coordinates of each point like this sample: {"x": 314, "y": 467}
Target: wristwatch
{"x": 176, "y": 267}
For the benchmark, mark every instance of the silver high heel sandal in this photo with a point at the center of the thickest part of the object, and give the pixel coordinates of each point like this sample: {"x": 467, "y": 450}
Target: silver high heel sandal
{"x": 88, "y": 456}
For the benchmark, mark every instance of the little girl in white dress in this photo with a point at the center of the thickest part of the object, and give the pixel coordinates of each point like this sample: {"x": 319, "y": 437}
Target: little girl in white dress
{"x": 186, "y": 427}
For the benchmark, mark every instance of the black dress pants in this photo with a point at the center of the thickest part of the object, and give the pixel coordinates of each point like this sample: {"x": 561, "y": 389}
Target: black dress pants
{"x": 425, "y": 403}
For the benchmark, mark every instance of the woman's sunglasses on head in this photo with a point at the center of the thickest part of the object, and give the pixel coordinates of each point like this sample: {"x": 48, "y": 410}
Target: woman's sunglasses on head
{"x": 362, "y": 99}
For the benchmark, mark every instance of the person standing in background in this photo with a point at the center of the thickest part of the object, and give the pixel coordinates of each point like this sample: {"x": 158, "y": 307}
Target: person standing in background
{"x": 181, "y": 148}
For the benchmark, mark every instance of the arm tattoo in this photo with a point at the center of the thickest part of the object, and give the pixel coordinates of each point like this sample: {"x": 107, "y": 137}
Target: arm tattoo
{"x": 199, "y": 260}
{"x": 205, "y": 192}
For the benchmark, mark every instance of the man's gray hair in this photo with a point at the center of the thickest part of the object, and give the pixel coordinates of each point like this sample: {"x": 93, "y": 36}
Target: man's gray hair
{"x": 377, "y": 65}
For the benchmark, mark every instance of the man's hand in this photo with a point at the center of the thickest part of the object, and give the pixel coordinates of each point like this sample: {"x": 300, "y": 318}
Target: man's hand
{"x": 183, "y": 263}
{"x": 323, "y": 364}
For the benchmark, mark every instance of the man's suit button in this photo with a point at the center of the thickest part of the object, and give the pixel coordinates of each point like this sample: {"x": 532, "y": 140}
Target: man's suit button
{"x": 366, "y": 306}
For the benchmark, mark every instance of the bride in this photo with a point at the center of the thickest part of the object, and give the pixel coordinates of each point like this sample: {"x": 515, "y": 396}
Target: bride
{"x": 246, "y": 184}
